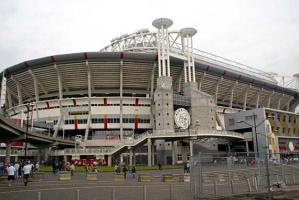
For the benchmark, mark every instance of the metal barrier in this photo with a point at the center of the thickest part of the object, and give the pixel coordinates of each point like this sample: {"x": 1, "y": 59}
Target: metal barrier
{"x": 229, "y": 175}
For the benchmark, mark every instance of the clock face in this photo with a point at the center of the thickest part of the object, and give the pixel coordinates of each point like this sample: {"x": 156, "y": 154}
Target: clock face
{"x": 182, "y": 118}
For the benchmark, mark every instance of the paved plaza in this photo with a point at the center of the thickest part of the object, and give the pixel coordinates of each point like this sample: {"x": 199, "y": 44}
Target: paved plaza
{"x": 103, "y": 189}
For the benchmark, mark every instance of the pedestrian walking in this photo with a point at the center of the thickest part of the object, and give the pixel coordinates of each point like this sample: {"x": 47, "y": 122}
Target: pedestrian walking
{"x": 133, "y": 171}
{"x": 17, "y": 166}
{"x": 11, "y": 174}
{"x": 125, "y": 169}
{"x": 36, "y": 167}
{"x": 188, "y": 167}
{"x": 27, "y": 170}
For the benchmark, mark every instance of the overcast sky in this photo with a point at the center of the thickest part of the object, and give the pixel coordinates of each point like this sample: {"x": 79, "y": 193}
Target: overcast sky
{"x": 262, "y": 34}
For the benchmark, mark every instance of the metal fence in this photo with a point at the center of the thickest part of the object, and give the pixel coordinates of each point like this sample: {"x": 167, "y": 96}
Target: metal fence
{"x": 224, "y": 175}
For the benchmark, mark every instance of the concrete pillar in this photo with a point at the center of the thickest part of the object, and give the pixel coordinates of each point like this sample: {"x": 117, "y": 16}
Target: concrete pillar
{"x": 153, "y": 153}
{"x": 149, "y": 152}
{"x": 131, "y": 157}
{"x": 191, "y": 147}
{"x": 134, "y": 158}
{"x": 121, "y": 158}
{"x": 8, "y": 152}
{"x": 173, "y": 152}
{"x": 109, "y": 160}
{"x": 39, "y": 155}
{"x": 65, "y": 158}
{"x": 247, "y": 148}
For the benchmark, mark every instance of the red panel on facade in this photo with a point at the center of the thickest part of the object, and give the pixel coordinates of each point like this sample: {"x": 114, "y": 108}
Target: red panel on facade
{"x": 74, "y": 102}
{"x": 105, "y": 102}
{"x": 48, "y": 105}
{"x": 137, "y": 102}
{"x": 136, "y": 121}
{"x": 17, "y": 143}
{"x": 76, "y": 122}
{"x": 105, "y": 122}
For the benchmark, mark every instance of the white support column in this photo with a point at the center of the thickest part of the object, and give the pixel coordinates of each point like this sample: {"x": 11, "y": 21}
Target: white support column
{"x": 153, "y": 154}
{"x": 186, "y": 35}
{"x": 258, "y": 98}
{"x": 167, "y": 53}
{"x": 247, "y": 148}
{"x": 201, "y": 80}
{"x": 89, "y": 100}
{"x": 269, "y": 99}
{"x": 162, "y": 24}
{"x": 60, "y": 92}
{"x": 131, "y": 156}
{"x": 288, "y": 103}
{"x": 121, "y": 101}
{"x": 149, "y": 152}
{"x": 173, "y": 152}
{"x": 245, "y": 97}
{"x": 232, "y": 94}
{"x": 9, "y": 98}
{"x": 8, "y": 152}
{"x": 153, "y": 80}
{"x": 109, "y": 160}
{"x": 279, "y": 102}
{"x": 185, "y": 71}
{"x": 217, "y": 89}
{"x": 121, "y": 158}
{"x": 191, "y": 147}
{"x": 20, "y": 100}
{"x": 192, "y": 61}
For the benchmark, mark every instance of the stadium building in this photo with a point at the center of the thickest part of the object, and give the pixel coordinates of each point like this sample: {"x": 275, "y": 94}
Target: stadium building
{"x": 150, "y": 97}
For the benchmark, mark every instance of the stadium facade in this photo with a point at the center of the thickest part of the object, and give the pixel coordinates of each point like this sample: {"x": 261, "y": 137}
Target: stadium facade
{"x": 150, "y": 94}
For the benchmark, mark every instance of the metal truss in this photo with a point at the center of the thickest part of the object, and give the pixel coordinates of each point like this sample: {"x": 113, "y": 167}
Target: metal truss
{"x": 146, "y": 41}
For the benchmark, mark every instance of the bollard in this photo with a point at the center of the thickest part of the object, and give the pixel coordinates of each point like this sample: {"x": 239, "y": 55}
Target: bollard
{"x": 277, "y": 179}
{"x": 286, "y": 179}
{"x": 255, "y": 183}
{"x": 78, "y": 195}
{"x": 232, "y": 186}
{"x": 294, "y": 181}
{"x": 258, "y": 180}
{"x": 113, "y": 193}
{"x": 144, "y": 192}
{"x": 249, "y": 186}
{"x": 39, "y": 195}
{"x": 170, "y": 192}
{"x": 215, "y": 188}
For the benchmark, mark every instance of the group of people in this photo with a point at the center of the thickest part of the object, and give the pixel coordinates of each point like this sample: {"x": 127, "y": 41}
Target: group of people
{"x": 124, "y": 169}
{"x": 62, "y": 166}
{"x": 17, "y": 170}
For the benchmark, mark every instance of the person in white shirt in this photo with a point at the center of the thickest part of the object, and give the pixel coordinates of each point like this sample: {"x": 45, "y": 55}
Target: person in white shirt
{"x": 11, "y": 174}
{"x": 27, "y": 170}
{"x": 37, "y": 167}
